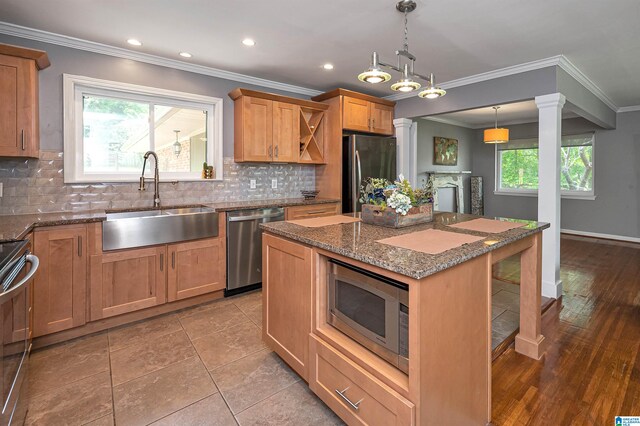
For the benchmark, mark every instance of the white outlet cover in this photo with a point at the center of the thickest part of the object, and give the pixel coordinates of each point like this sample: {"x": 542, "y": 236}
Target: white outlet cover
{"x": 252, "y": 184}
{"x": 274, "y": 183}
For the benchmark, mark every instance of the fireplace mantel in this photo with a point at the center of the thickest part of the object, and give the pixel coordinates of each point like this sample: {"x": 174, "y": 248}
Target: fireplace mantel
{"x": 448, "y": 179}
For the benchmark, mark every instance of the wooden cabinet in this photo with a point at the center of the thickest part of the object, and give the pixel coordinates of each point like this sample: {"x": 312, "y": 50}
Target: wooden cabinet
{"x": 127, "y": 281}
{"x": 19, "y": 128}
{"x": 313, "y": 210}
{"x": 254, "y": 130}
{"x": 196, "y": 267}
{"x": 352, "y": 393}
{"x": 277, "y": 129}
{"x": 286, "y": 125}
{"x": 366, "y": 116}
{"x": 287, "y": 272}
{"x": 356, "y": 114}
{"x": 60, "y": 285}
{"x": 381, "y": 119}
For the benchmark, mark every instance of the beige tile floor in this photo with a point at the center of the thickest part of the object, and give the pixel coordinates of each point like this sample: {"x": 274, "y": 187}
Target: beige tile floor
{"x": 205, "y": 365}
{"x": 202, "y": 366}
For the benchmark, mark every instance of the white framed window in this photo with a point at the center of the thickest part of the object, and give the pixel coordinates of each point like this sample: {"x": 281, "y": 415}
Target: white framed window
{"x": 517, "y": 167}
{"x": 108, "y": 126}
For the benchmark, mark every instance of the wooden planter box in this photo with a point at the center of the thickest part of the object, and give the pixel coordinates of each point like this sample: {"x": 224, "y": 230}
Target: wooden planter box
{"x": 376, "y": 215}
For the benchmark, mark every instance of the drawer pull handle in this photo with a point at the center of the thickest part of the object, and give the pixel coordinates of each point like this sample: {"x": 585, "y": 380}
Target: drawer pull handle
{"x": 161, "y": 261}
{"x": 318, "y": 212}
{"x": 355, "y": 406}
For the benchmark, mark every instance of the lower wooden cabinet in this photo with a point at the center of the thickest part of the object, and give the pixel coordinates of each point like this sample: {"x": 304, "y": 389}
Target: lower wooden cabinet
{"x": 311, "y": 210}
{"x": 351, "y": 392}
{"x": 195, "y": 268}
{"x": 127, "y": 280}
{"x": 286, "y": 298}
{"x": 60, "y": 285}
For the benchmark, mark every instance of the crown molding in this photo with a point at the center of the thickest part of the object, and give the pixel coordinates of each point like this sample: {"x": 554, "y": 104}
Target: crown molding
{"x": 449, "y": 121}
{"x": 105, "y": 49}
{"x": 631, "y": 108}
{"x": 567, "y": 66}
{"x": 558, "y": 61}
{"x": 490, "y": 75}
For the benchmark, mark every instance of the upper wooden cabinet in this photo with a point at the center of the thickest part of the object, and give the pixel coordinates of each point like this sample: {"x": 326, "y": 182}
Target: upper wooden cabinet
{"x": 363, "y": 113}
{"x": 277, "y": 129}
{"x": 19, "y": 128}
{"x": 60, "y": 286}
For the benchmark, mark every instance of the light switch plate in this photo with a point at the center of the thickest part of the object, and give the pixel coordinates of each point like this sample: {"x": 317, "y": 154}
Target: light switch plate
{"x": 252, "y": 184}
{"x": 274, "y": 183}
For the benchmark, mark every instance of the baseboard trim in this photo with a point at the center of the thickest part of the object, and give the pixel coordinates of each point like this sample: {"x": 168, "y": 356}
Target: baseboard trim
{"x": 599, "y": 235}
{"x": 551, "y": 289}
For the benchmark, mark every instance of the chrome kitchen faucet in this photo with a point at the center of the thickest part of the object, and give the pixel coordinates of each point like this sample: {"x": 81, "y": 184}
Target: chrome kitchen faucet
{"x": 155, "y": 179}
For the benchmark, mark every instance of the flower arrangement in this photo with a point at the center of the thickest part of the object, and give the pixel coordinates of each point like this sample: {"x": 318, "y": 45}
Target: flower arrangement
{"x": 399, "y": 195}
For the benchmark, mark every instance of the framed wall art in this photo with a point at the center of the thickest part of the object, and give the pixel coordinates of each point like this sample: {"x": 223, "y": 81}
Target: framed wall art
{"x": 445, "y": 151}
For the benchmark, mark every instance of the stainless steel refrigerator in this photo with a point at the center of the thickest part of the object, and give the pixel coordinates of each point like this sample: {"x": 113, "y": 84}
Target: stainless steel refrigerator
{"x": 364, "y": 157}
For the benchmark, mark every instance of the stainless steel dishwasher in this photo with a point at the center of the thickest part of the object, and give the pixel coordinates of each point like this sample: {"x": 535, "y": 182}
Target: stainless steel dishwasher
{"x": 244, "y": 247}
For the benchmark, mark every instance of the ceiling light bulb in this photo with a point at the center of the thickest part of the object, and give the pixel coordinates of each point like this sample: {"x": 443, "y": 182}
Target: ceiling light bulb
{"x": 328, "y": 66}
{"x": 186, "y": 54}
{"x": 405, "y": 85}
{"x": 432, "y": 93}
{"x": 134, "y": 42}
{"x": 248, "y": 42}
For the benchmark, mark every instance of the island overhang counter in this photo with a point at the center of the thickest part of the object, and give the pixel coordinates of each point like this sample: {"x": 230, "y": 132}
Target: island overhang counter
{"x": 448, "y": 379}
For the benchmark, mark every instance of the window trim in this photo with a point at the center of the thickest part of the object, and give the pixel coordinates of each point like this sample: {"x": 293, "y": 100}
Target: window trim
{"x": 569, "y": 195}
{"x": 74, "y": 86}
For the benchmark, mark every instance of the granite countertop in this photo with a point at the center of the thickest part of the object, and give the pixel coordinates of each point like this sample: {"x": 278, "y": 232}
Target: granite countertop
{"x": 358, "y": 241}
{"x": 15, "y": 227}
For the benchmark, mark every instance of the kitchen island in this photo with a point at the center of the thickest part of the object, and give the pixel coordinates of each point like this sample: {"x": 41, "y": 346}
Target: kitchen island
{"x": 448, "y": 376}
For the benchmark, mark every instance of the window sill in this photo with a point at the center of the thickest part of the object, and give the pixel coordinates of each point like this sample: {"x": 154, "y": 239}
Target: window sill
{"x": 586, "y": 197}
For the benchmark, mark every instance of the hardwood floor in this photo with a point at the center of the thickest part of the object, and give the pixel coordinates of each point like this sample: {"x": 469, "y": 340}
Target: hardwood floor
{"x": 591, "y": 371}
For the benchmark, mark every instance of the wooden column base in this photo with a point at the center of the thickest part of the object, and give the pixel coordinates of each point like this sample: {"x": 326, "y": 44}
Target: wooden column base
{"x": 531, "y": 348}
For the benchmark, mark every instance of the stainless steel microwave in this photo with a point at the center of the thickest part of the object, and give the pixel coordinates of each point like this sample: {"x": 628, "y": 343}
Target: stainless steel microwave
{"x": 371, "y": 309}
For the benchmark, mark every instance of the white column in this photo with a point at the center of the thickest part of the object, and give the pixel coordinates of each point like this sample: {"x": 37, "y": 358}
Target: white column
{"x": 549, "y": 144}
{"x": 407, "y": 162}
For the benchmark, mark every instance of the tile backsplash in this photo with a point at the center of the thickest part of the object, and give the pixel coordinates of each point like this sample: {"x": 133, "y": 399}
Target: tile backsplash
{"x": 37, "y": 186}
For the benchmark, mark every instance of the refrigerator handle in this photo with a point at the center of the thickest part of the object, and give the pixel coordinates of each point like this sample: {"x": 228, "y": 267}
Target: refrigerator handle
{"x": 359, "y": 181}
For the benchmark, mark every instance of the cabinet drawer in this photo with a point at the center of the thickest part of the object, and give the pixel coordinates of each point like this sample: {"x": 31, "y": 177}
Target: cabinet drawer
{"x": 377, "y": 404}
{"x": 309, "y": 211}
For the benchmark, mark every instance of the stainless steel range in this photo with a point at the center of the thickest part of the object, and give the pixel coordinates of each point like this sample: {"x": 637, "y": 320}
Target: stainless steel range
{"x": 17, "y": 267}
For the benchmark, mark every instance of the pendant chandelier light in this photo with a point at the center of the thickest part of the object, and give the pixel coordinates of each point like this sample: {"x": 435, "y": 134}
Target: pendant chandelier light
{"x": 375, "y": 73}
{"x": 496, "y": 135}
{"x": 177, "y": 146}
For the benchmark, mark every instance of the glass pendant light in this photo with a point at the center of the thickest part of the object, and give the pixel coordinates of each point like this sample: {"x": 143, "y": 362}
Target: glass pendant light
{"x": 405, "y": 84}
{"x": 432, "y": 92}
{"x": 177, "y": 146}
{"x": 374, "y": 74}
{"x": 496, "y": 135}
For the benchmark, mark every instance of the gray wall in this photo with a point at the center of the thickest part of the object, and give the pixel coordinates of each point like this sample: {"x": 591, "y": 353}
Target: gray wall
{"x": 427, "y": 129}
{"x": 615, "y": 211}
{"x": 65, "y": 60}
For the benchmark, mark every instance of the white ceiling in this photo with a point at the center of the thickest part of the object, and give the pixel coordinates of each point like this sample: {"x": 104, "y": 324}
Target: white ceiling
{"x": 515, "y": 113}
{"x": 452, "y": 38}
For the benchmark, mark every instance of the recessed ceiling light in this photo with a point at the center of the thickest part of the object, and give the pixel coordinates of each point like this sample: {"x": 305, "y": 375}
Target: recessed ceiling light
{"x": 328, "y": 66}
{"x": 248, "y": 42}
{"x": 134, "y": 42}
{"x": 185, "y": 54}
